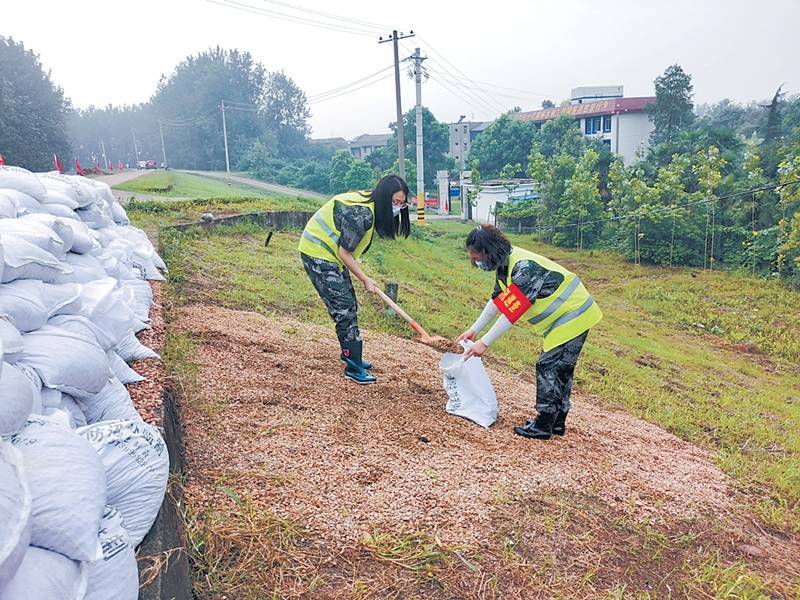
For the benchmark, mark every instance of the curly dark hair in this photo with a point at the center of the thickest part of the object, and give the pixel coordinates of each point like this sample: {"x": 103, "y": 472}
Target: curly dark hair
{"x": 490, "y": 242}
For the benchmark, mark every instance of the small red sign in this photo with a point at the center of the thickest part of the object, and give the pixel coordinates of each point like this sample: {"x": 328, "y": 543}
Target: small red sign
{"x": 512, "y": 303}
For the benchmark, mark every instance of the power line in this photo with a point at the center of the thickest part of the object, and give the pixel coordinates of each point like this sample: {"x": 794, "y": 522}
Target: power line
{"x": 350, "y": 91}
{"x": 291, "y": 18}
{"x": 315, "y": 97}
{"x": 454, "y": 67}
{"x": 664, "y": 209}
{"x": 466, "y": 91}
{"x": 378, "y": 27}
{"x": 512, "y": 89}
{"x": 453, "y": 91}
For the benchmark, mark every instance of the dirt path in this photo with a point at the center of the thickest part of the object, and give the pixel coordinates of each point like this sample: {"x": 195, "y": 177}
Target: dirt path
{"x": 280, "y": 426}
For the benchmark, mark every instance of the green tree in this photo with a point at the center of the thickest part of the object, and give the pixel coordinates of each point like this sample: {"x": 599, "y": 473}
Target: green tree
{"x": 507, "y": 140}
{"x": 361, "y": 176}
{"x": 189, "y": 103}
{"x": 411, "y": 172}
{"x": 673, "y": 109}
{"x": 341, "y": 163}
{"x": 581, "y": 203}
{"x": 33, "y": 111}
{"x": 435, "y": 147}
{"x": 286, "y": 111}
{"x": 560, "y": 136}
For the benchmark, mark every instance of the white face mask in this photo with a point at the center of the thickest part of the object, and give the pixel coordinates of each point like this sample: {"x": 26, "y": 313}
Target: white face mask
{"x": 482, "y": 265}
{"x": 396, "y": 210}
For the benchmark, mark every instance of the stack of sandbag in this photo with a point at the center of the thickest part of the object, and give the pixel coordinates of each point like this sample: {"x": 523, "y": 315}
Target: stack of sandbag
{"x": 82, "y": 477}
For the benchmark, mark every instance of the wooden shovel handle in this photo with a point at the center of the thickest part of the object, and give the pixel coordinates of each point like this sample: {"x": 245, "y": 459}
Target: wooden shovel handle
{"x": 392, "y": 304}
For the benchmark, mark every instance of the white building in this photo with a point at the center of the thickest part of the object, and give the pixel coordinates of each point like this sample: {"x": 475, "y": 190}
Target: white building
{"x": 462, "y": 134}
{"x": 620, "y": 123}
{"x": 492, "y": 193}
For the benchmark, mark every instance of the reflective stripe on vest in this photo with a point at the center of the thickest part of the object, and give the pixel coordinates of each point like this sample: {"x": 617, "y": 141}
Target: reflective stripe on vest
{"x": 563, "y": 315}
{"x": 321, "y": 238}
{"x": 557, "y": 302}
{"x": 571, "y": 316}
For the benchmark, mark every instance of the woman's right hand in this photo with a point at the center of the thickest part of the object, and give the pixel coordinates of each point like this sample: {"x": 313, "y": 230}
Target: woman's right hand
{"x": 370, "y": 285}
{"x": 467, "y": 335}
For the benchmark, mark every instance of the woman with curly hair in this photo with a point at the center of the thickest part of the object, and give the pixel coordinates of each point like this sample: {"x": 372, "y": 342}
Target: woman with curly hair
{"x": 553, "y": 300}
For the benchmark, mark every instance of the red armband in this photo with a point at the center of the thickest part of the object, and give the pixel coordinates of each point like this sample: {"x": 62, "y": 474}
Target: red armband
{"x": 512, "y": 303}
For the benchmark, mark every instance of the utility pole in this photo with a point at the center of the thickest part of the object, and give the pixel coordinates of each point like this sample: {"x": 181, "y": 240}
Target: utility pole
{"x": 420, "y": 162}
{"x": 135, "y": 147}
{"x": 103, "y": 147}
{"x": 163, "y": 148}
{"x": 401, "y": 159}
{"x": 225, "y": 137}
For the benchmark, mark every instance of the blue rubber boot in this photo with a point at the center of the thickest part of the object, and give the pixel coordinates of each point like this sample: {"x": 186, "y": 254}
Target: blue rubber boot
{"x": 354, "y": 369}
{"x": 365, "y": 364}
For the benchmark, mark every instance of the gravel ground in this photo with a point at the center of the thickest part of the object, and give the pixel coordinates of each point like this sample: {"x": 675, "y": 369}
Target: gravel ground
{"x": 277, "y": 423}
{"x": 146, "y": 394}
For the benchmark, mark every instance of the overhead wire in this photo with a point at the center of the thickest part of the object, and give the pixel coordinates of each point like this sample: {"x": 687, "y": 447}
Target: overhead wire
{"x": 242, "y": 6}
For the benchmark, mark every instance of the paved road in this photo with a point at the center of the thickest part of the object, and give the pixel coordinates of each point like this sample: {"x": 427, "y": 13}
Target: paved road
{"x": 262, "y": 185}
{"x": 125, "y": 176}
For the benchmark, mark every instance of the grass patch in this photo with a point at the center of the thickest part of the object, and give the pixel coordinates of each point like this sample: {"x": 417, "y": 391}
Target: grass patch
{"x": 173, "y": 184}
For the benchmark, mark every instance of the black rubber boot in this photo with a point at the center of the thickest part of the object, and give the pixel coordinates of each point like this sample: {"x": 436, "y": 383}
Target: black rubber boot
{"x": 353, "y": 370}
{"x": 560, "y": 424}
{"x": 539, "y": 429}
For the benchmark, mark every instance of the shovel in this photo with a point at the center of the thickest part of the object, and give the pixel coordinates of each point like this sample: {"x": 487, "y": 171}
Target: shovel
{"x": 424, "y": 337}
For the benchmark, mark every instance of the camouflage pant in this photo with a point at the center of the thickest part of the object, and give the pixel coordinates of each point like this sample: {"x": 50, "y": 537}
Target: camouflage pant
{"x": 554, "y": 371}
{"x": 334, "y": 286}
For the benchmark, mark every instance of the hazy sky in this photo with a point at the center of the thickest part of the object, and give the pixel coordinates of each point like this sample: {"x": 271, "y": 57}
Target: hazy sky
{"x": 115, "y": 51}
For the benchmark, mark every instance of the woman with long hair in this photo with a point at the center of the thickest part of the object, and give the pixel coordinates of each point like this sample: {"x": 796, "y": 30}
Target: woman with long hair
{"x": 334, "y": 239}
{"x": 551, "y": 298}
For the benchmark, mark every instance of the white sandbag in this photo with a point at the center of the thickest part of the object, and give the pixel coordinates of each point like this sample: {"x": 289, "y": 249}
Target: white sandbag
{"x": 65, "y": 361}
{"x": 131, "y": 349}
{"x": 104, "y": 190}
{"x": 56, "y": 195}
{"x": 137, "y": 467}
{"x": 469, "y": 391}
{"x": 102, "y": 303}
{"x": 112, "y": 403}
{"x": 159, "y": 262}
{"x": 16, "y": 399}
{"x": 45, "y": 575}
{"x": 22, "y": 180}
{"x": 119, "y": 215}
{"x": 85, "y": 268}
{"x": 24, "y": 203}
{"x": 28, "y": 303}
{"x": 11, "y": 340}
{"x": 82, "y": 240}
{"x": 53, "y": 401}
{"x": 15, "y": 512}
{"x": 56, "y": 210}
{"x": 8, "y": 208}
{"x": 114, "y": 264}
{"x": 138, "y": 295}
{"x": 95, "y": 217}
{"x": 84, "y": 327}
{"x": 121, "y": 369}
{"x": 68, "y": 486}
{"x": 62, "y": 229}
{"x": 116, "y": 575}
{"x": 35, "y": 232}
{"x": 23, "y": 260}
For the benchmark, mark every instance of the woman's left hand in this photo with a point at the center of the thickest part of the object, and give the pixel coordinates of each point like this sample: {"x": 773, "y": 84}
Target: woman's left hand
{"x": 477, "y": 349}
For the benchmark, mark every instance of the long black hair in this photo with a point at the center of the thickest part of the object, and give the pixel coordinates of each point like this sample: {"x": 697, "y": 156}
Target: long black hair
{"x": 489, "y": 242}
{"x": 386, "y": 224}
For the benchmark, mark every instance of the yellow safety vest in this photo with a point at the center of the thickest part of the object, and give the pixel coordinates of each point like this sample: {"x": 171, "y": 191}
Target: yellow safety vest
{"x": 566, "y": 313}
{"x": 320, "y": 238}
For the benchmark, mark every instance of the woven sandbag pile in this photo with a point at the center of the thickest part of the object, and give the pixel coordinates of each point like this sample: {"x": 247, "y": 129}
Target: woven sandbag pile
{"x": 82, "y": 476}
